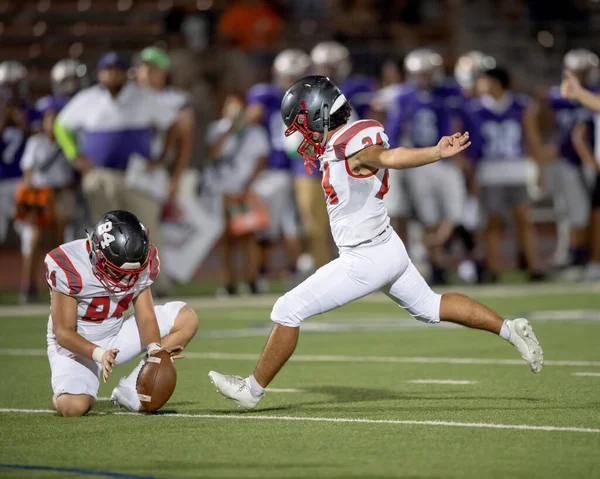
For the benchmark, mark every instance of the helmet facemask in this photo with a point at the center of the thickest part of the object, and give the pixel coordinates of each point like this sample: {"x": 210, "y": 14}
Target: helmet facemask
{"x": 313, "y": 143}
{"x": 115, "y": 279}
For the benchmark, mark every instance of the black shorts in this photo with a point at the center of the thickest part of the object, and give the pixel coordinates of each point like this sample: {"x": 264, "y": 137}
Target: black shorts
{"x": 596, "y": 194}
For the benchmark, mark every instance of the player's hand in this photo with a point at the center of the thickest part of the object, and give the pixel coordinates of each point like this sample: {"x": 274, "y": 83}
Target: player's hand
{"x": 154, "y": 163}
{"x": 570, "y": 88}
{"x": 174, "y": 351}
{"x": 451, "y": 145}
{"x": 108, "y": 361}
{"x": 82, "y": 164}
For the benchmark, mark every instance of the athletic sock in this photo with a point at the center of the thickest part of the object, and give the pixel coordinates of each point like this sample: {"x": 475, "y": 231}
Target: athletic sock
{"x": 505, "y": 331}
{"x": 579, "y": 255}
{"x": 255, "y": 389}
{"x": 131, "y": 380}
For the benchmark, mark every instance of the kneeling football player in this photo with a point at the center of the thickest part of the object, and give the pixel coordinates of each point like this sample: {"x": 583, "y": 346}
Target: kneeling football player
{"x": 354, "y": 159}
{"x": 93, "y": 282}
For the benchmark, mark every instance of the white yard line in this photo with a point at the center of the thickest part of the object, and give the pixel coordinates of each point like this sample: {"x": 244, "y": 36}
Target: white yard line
{"x": 441, "y": 381}
{"x": 250, "y": 417}
{"x": 482, "y": 291}
{"x": 586, "y": 374}
{"x": 345, "y": 359}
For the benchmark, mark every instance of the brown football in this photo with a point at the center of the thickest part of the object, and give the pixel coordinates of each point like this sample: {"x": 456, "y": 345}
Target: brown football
{"x": 156, "y": 381}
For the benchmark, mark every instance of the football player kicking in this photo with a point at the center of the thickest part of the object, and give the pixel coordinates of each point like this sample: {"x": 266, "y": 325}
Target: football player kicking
{"x": 93, "y": 282}
{"x": 354, "y": 161}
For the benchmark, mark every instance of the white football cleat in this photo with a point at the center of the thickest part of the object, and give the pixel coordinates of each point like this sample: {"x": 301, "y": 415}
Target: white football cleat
{"x": 235, "y": 388}
{"x": 126, "y": 397}
{"x": 523, "y": 338}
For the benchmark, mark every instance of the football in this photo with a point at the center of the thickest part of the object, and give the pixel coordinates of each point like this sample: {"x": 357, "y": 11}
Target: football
{"x": 156, "y": 381}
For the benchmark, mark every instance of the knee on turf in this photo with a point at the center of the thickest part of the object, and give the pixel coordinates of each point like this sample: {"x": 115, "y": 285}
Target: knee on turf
{"x": 283, "y": 314}
{"x": 73, "y": 405}
{"x": 427, "y": 309}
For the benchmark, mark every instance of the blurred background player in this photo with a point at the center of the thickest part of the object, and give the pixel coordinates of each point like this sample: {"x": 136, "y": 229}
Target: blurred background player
{"x": 45, "y": 199}
{"x": 68, "y": 76}
{"x": 574, "y": 181}
{"x": 289, "y": 66}
{"x": 505, "y": 125}
{"x": 332, "y": 59}
{"x": 172, "y": 148}
{"x": 383, "y": 103}
{"x": 422, "y": 114}
{"x": 468, "y": 68}
{"x": 101, "y": 129}
{"x": 572, "y": 89}
{"x": 275, "y": 184}
{"x": 16, "y": 122}
{"x": 241, "y": 152}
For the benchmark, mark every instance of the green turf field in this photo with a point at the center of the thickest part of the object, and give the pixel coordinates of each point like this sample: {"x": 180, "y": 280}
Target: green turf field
{"x": 356, "y": 401}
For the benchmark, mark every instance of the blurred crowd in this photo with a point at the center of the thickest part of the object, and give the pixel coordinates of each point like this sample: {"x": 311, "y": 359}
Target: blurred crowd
{"x": 134, "y": 135}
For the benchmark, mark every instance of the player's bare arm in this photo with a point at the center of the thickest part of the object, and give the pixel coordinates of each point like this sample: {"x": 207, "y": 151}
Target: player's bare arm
{"x": 184, "y": 125}
{"x": 532, "y": 132}
{"x": 571, "y": 89}
{"x": 581, "y": 143}
{"x": 400, "y": 158}
{"x": 64, "y": 319}
{"x": 145, "y": 318}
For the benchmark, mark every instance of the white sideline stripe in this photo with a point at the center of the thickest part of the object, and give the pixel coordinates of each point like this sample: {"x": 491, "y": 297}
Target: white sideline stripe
{"x": 481, "y": 425}
{"x": 586, "y": 374}
{"x": 441, "y": 381}
{"x": 345, "y": 359}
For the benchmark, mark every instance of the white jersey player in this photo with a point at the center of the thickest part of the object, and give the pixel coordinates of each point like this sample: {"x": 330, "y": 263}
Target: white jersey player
{"x": 93, "y": 282}
{"x": 354, "y": 159}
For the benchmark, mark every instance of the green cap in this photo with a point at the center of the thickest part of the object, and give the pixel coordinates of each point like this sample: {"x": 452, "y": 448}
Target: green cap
{"x": 156, "y": 56}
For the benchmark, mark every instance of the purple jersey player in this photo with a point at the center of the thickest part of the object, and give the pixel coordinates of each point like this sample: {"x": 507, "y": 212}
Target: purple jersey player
{"x": 573, "y": 178}
{"x": 275, "y": 184}
{"x": 504, "y": 124}
{"x": 426, "y": 108}
{"x": 16, "y": 121}
{"x": 332, "y": 59}
{"x": 267, "y": 97}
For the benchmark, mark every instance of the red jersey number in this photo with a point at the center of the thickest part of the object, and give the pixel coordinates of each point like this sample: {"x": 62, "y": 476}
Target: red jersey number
{"x": 367, "y": 141}
{"x": 329, "y": 190}
{"x": 385, "y": 186}
{"x": 99, "y": 308}
{"x": 50, "y": 277}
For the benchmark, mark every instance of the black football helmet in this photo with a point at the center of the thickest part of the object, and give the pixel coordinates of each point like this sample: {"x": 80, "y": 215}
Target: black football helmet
{"x": 119, "y": 250}
{"x": 307, "y": 107}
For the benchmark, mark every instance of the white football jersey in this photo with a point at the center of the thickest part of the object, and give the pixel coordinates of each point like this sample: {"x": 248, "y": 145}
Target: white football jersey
{"x": 99, "y": 312}
{"x": 354, "y": 202}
